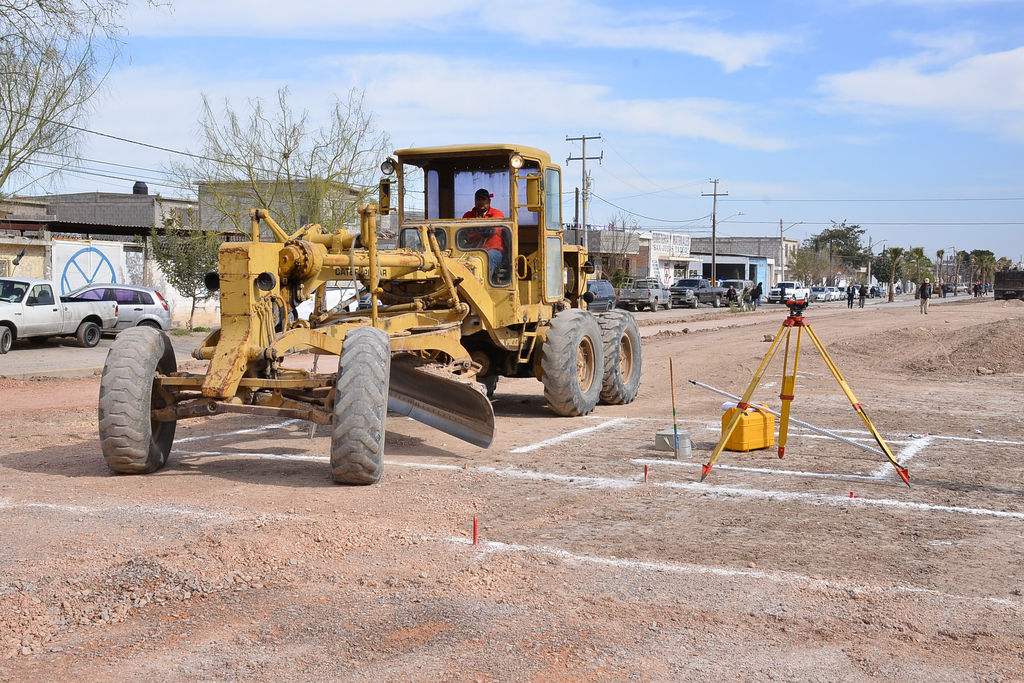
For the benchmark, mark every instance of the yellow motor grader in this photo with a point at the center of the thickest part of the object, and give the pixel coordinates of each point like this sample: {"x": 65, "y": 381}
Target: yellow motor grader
{"x": 467, "y": 296}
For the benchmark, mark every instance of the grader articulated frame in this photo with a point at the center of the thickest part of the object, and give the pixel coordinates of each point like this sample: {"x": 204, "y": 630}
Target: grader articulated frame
{"x": 438, "y": 328}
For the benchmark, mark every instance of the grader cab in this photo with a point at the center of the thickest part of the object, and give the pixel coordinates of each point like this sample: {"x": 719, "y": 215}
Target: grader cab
{"x": 480, "y": 286}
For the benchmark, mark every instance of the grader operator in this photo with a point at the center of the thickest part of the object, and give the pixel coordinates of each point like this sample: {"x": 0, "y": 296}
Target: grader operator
{"x": 465, "y": 298}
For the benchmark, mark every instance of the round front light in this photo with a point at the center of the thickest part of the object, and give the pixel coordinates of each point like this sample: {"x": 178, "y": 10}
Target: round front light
{"x": 517, "y": 161}
{"x": 387, "y": 167}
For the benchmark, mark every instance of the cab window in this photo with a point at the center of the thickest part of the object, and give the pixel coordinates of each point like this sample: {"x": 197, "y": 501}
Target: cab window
{"x": 496, "y": 243}
{"x": 553, "y": 199}
{"x": 41, "y": 295}
{"x": 410, "y": 238}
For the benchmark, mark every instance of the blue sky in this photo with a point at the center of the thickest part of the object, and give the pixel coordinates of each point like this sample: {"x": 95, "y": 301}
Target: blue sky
{"x": 904, "y": 116}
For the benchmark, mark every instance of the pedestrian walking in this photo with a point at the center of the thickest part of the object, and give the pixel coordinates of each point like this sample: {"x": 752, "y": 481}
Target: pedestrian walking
{"x": 756, "y": 295}
{"x": 849, "y": 296}
{"x": 926, "y": 293}
{"x": 862, "y": 294}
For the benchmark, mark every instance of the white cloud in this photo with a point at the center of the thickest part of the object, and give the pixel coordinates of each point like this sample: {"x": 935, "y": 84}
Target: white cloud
{"x": 577, "y": 23}
{"x": 469, "y": 96}
{"x": 584, "y": 24}
{"x": 982, "y": 91}
{"x": 268, "y": 20}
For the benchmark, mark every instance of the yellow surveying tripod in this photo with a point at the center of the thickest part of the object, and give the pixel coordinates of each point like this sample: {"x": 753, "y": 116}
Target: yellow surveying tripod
{"x": 796, "y": 319}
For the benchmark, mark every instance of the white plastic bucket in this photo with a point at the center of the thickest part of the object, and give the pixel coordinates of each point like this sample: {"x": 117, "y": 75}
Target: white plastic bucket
{"x": 665, "y": 440}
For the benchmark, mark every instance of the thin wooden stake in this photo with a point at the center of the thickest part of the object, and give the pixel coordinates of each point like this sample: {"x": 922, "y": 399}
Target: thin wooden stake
{"x": 672, "y": 388}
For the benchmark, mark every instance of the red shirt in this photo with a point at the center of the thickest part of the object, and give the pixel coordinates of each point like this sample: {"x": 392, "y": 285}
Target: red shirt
{"x": 491, "y": 213}
{"x": 480, "y": 240}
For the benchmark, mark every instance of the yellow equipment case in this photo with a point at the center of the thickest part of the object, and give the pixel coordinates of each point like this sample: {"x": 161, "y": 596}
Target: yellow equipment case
{"x": 755, "y": 430}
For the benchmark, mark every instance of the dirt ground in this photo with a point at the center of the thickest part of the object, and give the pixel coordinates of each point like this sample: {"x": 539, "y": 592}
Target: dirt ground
{"x": 241, "y": 560}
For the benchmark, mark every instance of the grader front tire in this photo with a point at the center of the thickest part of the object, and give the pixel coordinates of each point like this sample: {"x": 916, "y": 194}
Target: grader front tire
{"x": 131, "y": 440}
{"x": 360, "y": 407}
{"x": 573, "y": 363}
{"x": 623, "y": 362}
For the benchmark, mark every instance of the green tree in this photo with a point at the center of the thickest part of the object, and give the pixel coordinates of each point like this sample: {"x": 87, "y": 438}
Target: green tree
{"x": 276, "y": 158}
{"x": 895, "y": 257}
{"x": 983, "y": 264}
{"x": 809, "y": 265}
{"x": 841, "y": 247}
{"x": 185, "y": 255}
{"x": 918, "y": 263}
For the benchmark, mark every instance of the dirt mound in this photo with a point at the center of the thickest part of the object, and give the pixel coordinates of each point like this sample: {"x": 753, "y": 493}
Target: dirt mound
{"x": 996, "y": 347}
{"x": 1014, "y": 303}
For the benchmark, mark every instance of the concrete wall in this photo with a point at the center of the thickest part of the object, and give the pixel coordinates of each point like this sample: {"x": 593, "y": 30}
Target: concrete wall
{"x": 33, "y": 264}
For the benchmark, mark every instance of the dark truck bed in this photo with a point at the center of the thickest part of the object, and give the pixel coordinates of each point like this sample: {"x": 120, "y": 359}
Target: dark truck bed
{"x": 1009, "y": 284}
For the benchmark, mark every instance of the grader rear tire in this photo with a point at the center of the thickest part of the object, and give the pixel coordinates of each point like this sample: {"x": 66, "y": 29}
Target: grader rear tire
{"x": 360, "y": 407}
{"x": 573, "y": 363}
{"x": 131, "y": 440}
{"x": 623, "y": 362}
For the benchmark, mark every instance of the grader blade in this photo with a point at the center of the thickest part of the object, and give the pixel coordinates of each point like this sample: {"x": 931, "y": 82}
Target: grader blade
{"x": 452, "y": 406}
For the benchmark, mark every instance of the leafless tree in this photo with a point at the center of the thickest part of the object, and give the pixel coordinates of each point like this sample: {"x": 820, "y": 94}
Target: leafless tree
{"x": 275, "y": 158}
{"x": 54, "y": 57}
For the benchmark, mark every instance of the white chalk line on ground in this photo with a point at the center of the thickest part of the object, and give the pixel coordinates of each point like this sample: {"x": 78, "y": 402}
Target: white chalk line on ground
{"x": 760, "y": 470}
{"x": 570, "y": 435}
{"x": 261, "y": 428}
{"x": 168, "y": 510}
{"x": 905, "y": 455}
{"x": 721, "y": 492}
{"x": 700, "y": 570}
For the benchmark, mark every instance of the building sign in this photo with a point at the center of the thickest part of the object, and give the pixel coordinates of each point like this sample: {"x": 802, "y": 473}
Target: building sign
{"x": 670, "y": 245}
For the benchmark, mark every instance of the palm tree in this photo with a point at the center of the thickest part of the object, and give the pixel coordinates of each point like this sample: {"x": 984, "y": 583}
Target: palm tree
{"x": 938, "y": 264}
{"x": 915, "y": 256}
{"x": 895, "y": 255}
{"x": 988, "y": 268}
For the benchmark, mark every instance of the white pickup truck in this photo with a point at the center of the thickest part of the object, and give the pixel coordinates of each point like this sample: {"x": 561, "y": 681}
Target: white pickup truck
{"x": 32, "y": 308}
{"x": 783, "y": 291}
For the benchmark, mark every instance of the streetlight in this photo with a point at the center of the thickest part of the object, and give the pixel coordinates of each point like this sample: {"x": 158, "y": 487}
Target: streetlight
{"x": 871, "y": 256}
{"x": 782, "y": 249}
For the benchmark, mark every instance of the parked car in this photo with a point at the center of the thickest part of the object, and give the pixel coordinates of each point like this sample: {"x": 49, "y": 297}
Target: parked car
{"x": 819, "y": 294}
{"x": 641, "y": 293}
{"x": 692, "y": 291}
{"x": 604, "y": 295}
{"x": 138, "y": 305}
{"x": 32, "y": 308}
{"x": 783, "y": 291}
{"x": 738, "y": 284}
{"x": 333, "y": 296}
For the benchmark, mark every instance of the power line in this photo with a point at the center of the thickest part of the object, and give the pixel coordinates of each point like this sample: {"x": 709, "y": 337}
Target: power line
{"x": 896, "y": 223}
{"x": 906, "y": 199}
{"x": 649, "y": 218}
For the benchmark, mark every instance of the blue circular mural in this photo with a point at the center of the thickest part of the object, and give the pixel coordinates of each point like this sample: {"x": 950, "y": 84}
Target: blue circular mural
{"x": 81, "y": 261}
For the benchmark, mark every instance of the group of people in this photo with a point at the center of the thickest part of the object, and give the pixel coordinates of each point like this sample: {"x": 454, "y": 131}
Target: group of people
{"x": 748, "y": 300}
{"x": 858, "y": 292}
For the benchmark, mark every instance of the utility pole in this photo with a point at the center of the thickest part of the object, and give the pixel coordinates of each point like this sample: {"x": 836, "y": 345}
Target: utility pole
{"x": 714, "y": 236}
{"x": 782, "y": 253}
{"x": 871, "y": 256}
{"x": 580, "y": 229}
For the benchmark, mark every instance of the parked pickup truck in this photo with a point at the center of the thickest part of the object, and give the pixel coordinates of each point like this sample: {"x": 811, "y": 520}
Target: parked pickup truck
{"x": 1008, "y": 284}
{"x": 32, "y": 308}
{"x": 783, "y": 291}
{"x": 691, "y": 291}
{"x": 641, "y": 293}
